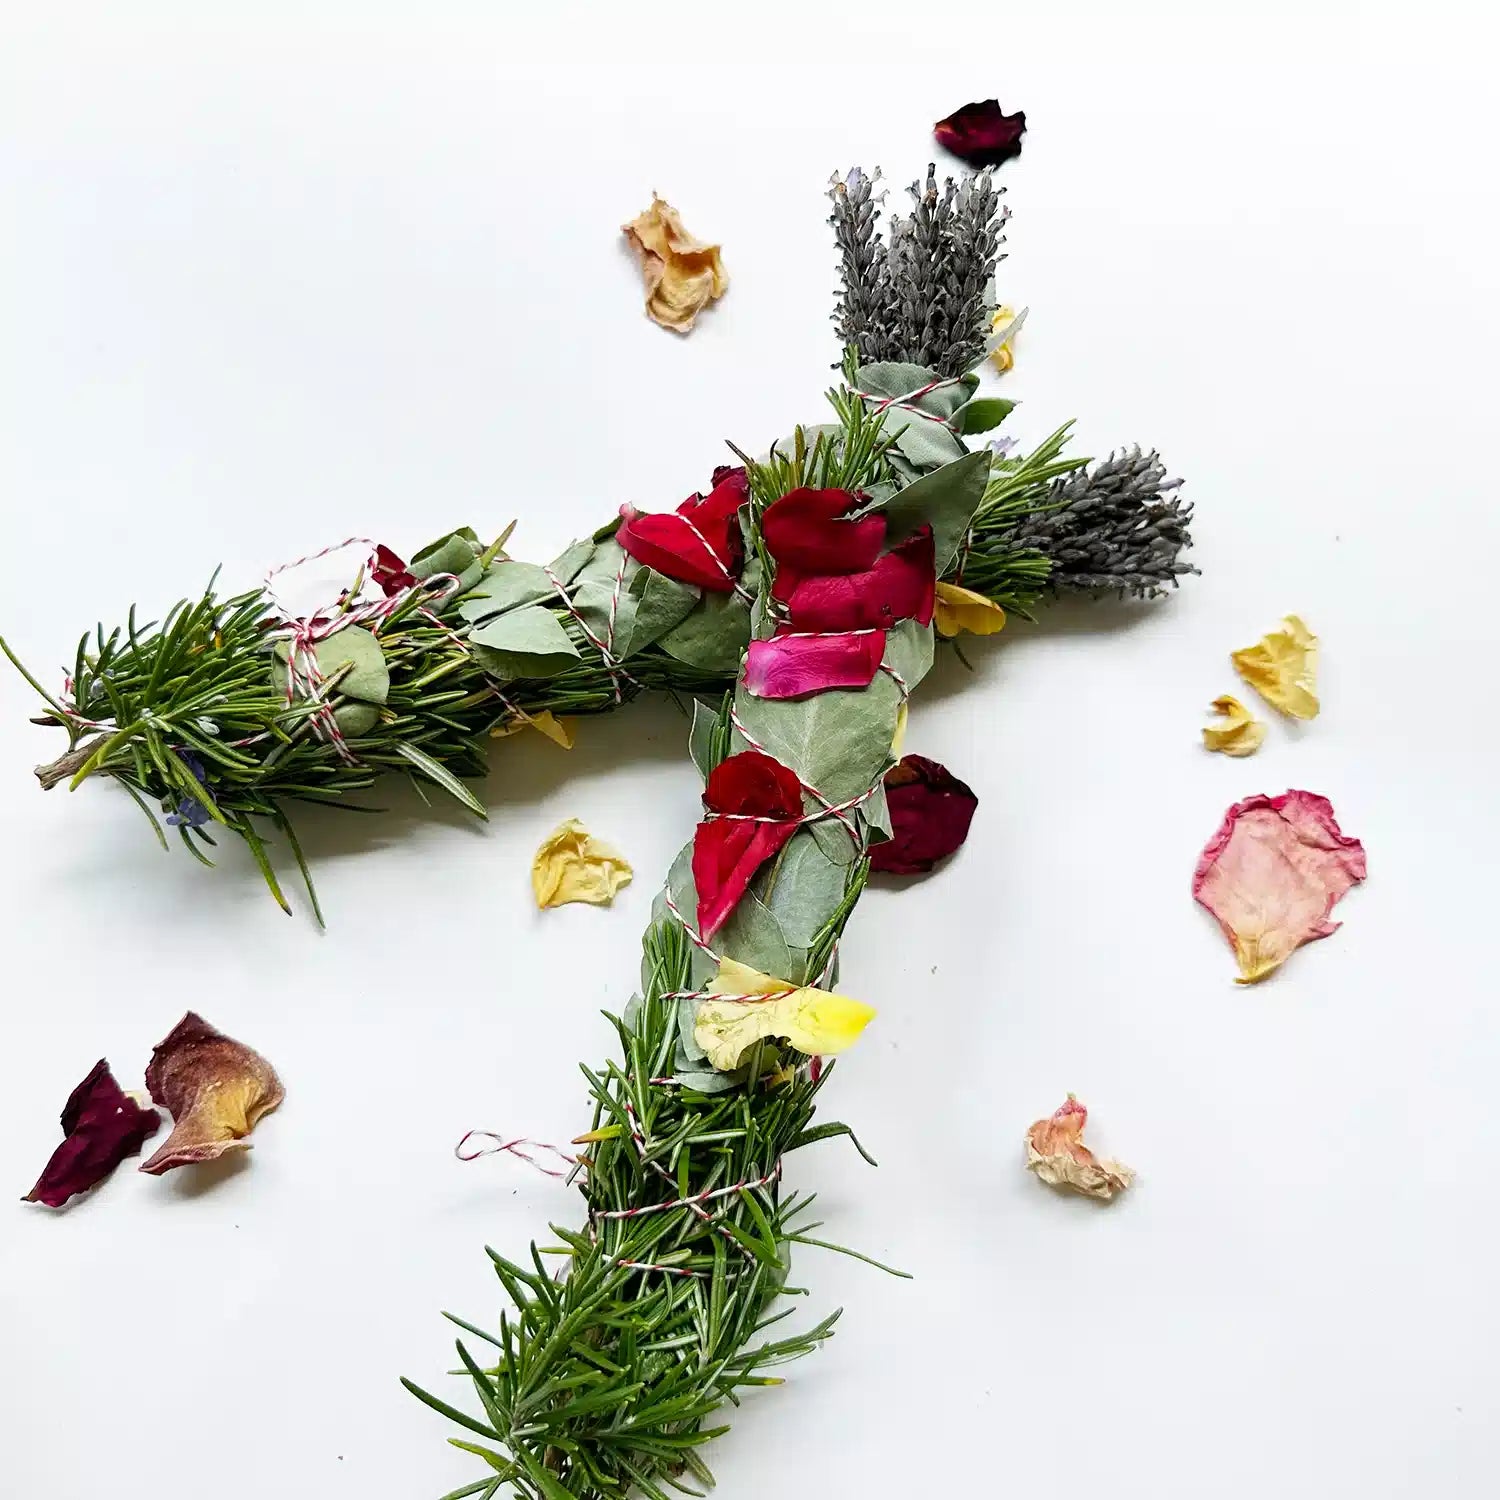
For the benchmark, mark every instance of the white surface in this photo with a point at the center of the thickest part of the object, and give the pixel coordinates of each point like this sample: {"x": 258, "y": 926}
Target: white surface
{"x": 269, "y": 282}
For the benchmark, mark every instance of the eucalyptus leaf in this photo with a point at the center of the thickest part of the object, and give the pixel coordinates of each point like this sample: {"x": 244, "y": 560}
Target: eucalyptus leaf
{"x": 833, "y": 839}
{"x": 878, "y": 811}
{"x": 923, "y": 443}
{"x": 946, "y": 500}
{"x": 908, "y": 651}
{"x": 701, "y": 737}
{"x": 753, "y": 934}
{"x": 572, "y": 561}
{"x": 983, "y": 416}
{"x": 837, "y": 741}
{"x": 803, "y": 886}
{"x": 660, "y": 604}
{"x": 457, "y": 553}
{"x": 713, "y": 635}
{"x": 505, "y": 585}
{"x": 528, "y": 642}
{"x": 368, "y": 679}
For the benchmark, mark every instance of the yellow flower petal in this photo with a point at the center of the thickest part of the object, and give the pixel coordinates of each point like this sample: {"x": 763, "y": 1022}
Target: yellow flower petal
{"x": 958, "y": 609}
{"x": 683, "y": 275}
{"x": 898, "y": 739}
{"x": 1238, "y": 732}
{"x": 816, "y": 1022}
{"x": 572, "y": 865}
{"x": 559, "y": 731}
{"x": 1283, "y": 668}
{"x": 1003, "y": 355}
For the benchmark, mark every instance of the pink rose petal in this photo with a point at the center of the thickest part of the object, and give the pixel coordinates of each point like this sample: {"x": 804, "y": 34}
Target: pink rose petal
{"x": 792, "y": 666}
{"x": 1273, "y": 873}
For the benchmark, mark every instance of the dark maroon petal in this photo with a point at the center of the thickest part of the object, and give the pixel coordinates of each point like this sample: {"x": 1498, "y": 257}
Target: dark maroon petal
{"x": 981, "y": 133}
{"x": 389, "y": 573}
{"x": 103, "y": 1126}
{"x": 931, "y": 810}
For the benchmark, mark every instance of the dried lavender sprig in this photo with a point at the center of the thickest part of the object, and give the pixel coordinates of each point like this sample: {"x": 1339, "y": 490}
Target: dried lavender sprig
{"x": 924, "y": 298}
{"x": 1115, "y": 527}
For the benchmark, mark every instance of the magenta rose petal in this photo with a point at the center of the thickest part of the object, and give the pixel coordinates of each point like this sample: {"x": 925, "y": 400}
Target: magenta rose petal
{"x": 982, "y": 134}
{"x": 931, "y": 810}
{"x": 792, "y": 666}
{"x": 102, "y": 1125}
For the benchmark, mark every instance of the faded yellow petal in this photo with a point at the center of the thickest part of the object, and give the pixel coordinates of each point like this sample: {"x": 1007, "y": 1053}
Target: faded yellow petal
{"x": 757, "y": 1006}
{"x": 1056, "y": 1153}
{"x": 1283, "y": 668}
{"x": 898, "y": 739}
{"x": 683, "y": 275}
{"x": 957, "y": 609}
{"x": 1238, "y": 732}
{"x": 559, "y": 731}
{"x": 1003, "y": 355}
{"x": 572, "y": 865}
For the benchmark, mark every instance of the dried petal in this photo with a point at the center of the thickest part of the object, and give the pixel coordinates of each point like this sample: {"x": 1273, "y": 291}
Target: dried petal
{"x": 698, "y": 543}
{"x": 1272, "y": 874}
{"x": 1238, "y": 732}
{"x": 1056, "y": 1153}
{"x": 808, "y": 531}
{"x": 792, "y": 666}
{"x": 959, "y": 610}
{"x": 981, "y": 134}
{"x": 683, "y": 275}
{"x": 931, "y": 810}
{"x": 757, "y": 1006}
{"x": 572, "y": 865}
{"x": 102, "y": 1125}
{"x": 1003, "y": 354}
{"x": 759, "y": 802}
{"x": 1283, "y": 668}
{"x": 900, "y": 586}
{"x": 216, "y": 1088}
{"x": 559, "y": 731}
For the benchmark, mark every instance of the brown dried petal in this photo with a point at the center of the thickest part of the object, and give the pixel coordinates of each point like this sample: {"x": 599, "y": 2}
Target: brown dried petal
{"x": 216, "y": 1088}
{"x": 102, "y": 1125}
{"x": 1056, "y": 1153}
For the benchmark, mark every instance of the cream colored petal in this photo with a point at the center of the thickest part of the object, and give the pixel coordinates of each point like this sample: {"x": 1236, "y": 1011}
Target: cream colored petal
{"x": 1283, "y": 668}
{"x": 956, "y": 610}
{"x": 1237, "y": 733}
{"x": 816, "y": 1022}
{"x": 898, "y": 739}
{"x": 572, "y": 865}
{"x": 682, "y": 274}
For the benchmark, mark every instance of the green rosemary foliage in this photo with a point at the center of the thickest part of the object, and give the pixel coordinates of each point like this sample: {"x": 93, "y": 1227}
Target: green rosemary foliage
{"x": 610, "y": 1377}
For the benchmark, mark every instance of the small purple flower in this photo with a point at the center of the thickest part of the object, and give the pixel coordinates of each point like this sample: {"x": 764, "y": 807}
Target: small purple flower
{"x": 190, "y": 812}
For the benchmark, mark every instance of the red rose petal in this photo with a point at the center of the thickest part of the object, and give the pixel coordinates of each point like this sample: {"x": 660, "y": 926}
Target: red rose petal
{"x": 698, "y": 543}
{"x": 792, "y": 666}
{"x": 727, "y": 851}
{"x": 899, "y": 587}
{"x": 389, "y": 573}
{"x": 807, "y": 530}
{"x": 102, "y": 1125}
{"x": 981, "y": 133}
{"x": 931, "y": 810}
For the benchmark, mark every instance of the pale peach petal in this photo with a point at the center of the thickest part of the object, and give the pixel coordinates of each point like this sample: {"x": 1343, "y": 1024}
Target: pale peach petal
{"x": 683, "y": 275}
{"x": 1056, "y": 1153}
{"x": 1272, "y": 874}
{"x": 216, "y": 1089}
{"x": 1237, "y": 733}
{"x": 1283, "y": 668}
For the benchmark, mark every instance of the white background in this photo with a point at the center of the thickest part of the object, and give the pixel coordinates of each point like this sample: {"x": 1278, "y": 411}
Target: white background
{"x": 273, "y": 275}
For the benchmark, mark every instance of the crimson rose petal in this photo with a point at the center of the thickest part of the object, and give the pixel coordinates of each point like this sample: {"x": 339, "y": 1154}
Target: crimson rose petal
{"x": 698, "y": 543}
{"x": 899, "y": 587}
{"x": 807, "y": 530}
{"x": 389, "y": 573}
{"x": 102, "y": 1125}
{"x": 981, "y": 133}
{"x": 728, "y": 850}
{"x": 931, "y": 810}
{"x": 792, "y": 666}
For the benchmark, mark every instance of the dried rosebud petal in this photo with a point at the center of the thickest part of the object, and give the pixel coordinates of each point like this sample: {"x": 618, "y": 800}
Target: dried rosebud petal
{"x": 982, "y": 134}
{"x": 1238, "y": 732}
{"x": 1272, "y": 874}
{"x": 931, "y": 810}
{"x": 571, "y": 864}
{"x": 683, "y": 275}
{"x": 1056, "y": 1153}
{"x": 1282, "y": 666}
{"x": 216, "y": 1089}
{"x": 102, "y": 1125}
